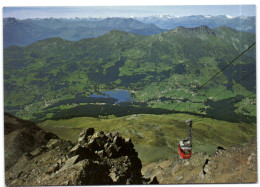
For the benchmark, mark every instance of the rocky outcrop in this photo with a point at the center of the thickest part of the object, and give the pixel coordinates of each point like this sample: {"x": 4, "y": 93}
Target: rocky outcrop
{"x": 97, "y": 158}
{"x": 21, "y": 137}
{"x": 202, "y": 32}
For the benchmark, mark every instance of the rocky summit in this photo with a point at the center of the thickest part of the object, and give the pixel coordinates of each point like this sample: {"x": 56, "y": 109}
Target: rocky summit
{"x": 44, "y": 159}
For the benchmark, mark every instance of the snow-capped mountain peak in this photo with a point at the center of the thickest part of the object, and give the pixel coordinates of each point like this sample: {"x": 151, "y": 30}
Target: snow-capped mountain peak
{"x": 165, "y": 16}
{"x": 229, "y": 17}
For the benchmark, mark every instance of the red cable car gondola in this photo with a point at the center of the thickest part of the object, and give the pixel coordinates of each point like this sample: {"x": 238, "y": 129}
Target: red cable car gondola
{"x": 185, "y": 146}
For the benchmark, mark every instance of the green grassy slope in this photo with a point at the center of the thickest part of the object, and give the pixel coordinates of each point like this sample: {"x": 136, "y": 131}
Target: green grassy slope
{"x": 161, "y": 70}
{"x": 156, "y": 136}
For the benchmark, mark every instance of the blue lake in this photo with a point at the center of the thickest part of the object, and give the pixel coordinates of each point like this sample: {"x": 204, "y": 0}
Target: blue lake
{"x": 120, "y": 95}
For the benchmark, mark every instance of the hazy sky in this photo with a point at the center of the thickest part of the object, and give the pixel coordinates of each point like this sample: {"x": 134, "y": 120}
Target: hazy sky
{"x": 127, "y": 11}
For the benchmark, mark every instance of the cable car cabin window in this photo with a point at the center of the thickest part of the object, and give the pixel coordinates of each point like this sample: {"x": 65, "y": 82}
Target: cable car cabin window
{"x": 187, "y": 151}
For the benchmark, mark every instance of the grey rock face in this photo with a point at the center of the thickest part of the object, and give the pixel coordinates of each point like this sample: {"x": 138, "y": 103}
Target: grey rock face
{"x": 97, "y": 158}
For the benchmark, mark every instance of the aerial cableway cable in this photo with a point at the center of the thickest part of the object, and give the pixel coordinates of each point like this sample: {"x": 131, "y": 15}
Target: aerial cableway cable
{"x": 222, "y": 69}
{"x": 251, "y": 73}
{"x": 235, "y": 101}
{"x": 239, "y": 99}
{"x": 226, "y": 106}
{"x": 226, "y": 66}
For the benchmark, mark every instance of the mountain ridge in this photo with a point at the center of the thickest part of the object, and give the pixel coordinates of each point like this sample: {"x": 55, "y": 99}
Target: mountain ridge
{"x": 32, "y": 30}
{"x": 241, "y": 23}
{"x": 202, "y": 30}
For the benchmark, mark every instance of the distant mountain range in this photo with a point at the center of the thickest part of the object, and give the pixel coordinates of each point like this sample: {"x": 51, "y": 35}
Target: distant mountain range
{"x": 241, "y": 23}
{"x": 25, "y": 32}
